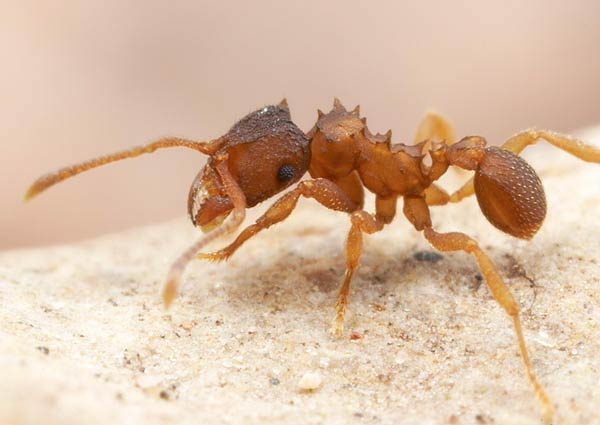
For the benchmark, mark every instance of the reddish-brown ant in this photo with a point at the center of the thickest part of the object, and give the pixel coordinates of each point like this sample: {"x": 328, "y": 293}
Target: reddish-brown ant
{"x": 265, "y": 153}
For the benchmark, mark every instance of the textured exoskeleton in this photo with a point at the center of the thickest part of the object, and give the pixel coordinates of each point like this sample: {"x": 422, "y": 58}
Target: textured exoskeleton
{"x": 265, "y": 153}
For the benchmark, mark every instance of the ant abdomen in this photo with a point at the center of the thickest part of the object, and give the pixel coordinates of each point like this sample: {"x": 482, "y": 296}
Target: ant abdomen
{"x": 510, "y": 193}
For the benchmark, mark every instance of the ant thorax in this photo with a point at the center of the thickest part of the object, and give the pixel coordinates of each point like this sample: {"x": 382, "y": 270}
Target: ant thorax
{"x": 341, "y": 143}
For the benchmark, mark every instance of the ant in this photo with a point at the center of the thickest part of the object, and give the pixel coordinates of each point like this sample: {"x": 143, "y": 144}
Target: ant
{"x": 265, "y": 153}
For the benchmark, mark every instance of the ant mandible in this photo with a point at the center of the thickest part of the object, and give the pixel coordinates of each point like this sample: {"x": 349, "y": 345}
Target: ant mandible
{"x": 265, "y": 153}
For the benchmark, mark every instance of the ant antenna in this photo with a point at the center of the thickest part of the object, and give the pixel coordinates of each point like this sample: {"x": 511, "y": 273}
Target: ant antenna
{"x": 55, "y": 177}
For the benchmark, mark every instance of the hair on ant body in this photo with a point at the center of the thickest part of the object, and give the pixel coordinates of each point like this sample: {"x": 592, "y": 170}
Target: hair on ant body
{"x": 265, "y": 153}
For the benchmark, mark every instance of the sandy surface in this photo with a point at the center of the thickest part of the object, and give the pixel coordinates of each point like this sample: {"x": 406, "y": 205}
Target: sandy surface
{"x": 84, "y": 337}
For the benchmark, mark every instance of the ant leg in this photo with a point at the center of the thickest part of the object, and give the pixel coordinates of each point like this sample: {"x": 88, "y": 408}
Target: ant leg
{"x": 460, "y": 242}
{"x": 417, "y": 212}
{"x": 569, "y": 144}
{"x": 517, "y": 143}
{"x": 331, "y": 196}
{"x": 51, "y": 179}
{"x": 352, "y": 186}
{"x": 362, "y": 221}
{"x": 435, "y": 195}
{"x": 385, "y": 208}
{"x": 434, "y": 126}
{"x": 238, "y": 199}
{"x": 465, "y": 191}
{"x": 322, "y": 190}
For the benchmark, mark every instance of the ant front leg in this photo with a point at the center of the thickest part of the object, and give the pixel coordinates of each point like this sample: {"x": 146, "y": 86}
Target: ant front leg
{"x": 331, "y": 196}
{"x": 352, "y": 186}
{"x": 322, "y": 190}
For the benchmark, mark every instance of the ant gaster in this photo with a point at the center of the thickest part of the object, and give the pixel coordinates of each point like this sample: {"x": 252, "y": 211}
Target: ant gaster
{"x": 265, "y": 153}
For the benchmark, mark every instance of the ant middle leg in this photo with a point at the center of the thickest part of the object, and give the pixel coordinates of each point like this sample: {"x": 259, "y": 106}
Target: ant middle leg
{"x": 435, "y": 195}
{"x": 362, "y": 222}
{"x": 434, "y": 126}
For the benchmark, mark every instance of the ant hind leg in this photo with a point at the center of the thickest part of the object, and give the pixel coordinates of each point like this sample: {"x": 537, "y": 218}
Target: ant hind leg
{"x": 456, "y": 241}
{"x": 517, "y": 143}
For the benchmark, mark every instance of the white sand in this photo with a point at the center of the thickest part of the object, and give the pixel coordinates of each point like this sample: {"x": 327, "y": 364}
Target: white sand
{"x": 84, "y": 337}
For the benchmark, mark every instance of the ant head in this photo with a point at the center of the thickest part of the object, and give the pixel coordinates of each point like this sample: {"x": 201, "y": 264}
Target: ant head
{"x": 510, "y": 193}
{"x": 265, "y": 153}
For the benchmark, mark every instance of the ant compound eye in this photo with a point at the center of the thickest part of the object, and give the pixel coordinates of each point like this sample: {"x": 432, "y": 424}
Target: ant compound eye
{"x": 286, "y": 173}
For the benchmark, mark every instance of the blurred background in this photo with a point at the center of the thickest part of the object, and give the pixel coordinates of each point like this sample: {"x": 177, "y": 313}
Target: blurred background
{"x": 80, "y": 79}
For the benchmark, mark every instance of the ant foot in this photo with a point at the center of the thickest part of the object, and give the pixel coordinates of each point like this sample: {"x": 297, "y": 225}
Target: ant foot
{"x": 337, "y": 326}
{"x": 214, "y": 257}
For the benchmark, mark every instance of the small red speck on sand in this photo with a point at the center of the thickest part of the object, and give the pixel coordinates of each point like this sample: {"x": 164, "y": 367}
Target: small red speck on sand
{"x": 355, "y": 335}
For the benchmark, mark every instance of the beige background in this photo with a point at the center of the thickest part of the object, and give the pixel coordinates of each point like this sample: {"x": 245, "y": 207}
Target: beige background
{"x": 82, "y": 79}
